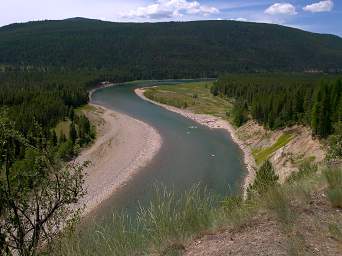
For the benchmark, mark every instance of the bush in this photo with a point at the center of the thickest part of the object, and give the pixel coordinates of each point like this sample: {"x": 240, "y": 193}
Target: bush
{"x": 306, "y": 169}
{"x": 265, "y": 179}
{"x": 278, "y": 202}
{"x": 334, "y": 191}
{"x": 66, "y": 150}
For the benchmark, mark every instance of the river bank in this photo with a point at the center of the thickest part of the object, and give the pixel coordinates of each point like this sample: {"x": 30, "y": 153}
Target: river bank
{"x": 213, "y": 123}
{"x": 123, "y": 146}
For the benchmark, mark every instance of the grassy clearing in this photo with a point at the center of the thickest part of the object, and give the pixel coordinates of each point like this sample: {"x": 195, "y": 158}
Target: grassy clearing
{"x": 261, "y": 155}
{"x": 195, "y": 97}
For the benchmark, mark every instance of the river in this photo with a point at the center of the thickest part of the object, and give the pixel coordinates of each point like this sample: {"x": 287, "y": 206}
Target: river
{"x": 191, "y": 153}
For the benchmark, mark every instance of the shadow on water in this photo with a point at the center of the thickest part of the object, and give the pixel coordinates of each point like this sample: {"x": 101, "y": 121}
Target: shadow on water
{"x": 191, "y": 154}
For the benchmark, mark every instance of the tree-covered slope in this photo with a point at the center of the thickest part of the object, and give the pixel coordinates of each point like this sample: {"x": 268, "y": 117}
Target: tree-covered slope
{"x": 159, "y": 50}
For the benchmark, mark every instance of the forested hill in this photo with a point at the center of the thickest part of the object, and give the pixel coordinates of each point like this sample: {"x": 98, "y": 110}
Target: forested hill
{"x": 166, "y": 50}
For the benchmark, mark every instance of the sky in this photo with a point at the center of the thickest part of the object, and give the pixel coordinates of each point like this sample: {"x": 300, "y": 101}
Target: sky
{"x": 323, "y": 16}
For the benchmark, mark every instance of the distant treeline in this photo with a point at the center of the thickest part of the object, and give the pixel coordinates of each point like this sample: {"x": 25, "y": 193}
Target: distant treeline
{"x": 279, "y": 100}
{"x": 170, "y": 49}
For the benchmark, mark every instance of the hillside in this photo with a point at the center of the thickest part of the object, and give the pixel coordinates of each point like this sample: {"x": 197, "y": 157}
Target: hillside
{"x": 174, "y": 49}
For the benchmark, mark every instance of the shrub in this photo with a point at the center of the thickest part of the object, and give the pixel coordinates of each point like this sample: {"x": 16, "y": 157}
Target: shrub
{"x": 334, "y": 190}
{"x": 231, "y": 203}
{"x": 278, "y": 202}
{"x": 264, "y": 180}
{"x": 306, "y": 169}
{"x": 66, "y": 150}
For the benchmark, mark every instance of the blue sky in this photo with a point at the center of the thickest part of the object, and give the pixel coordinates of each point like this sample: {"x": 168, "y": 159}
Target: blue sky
{"x": 323, "y": 16}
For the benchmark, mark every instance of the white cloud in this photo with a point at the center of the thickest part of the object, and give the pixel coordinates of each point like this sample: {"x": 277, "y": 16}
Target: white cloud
{"x": 241, "y": 19}
{"x": 322, "y": 6}
{"x": 171, "y": 9}
{"x": 281, "y": 8}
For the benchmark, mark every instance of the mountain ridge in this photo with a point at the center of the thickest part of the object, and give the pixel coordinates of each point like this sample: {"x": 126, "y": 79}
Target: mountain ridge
{"x": 169, "y": 49}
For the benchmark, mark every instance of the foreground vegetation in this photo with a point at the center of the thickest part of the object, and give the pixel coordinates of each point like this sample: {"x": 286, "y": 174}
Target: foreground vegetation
{"x": 36, "y": 186}
{"x": 171, "y": 221}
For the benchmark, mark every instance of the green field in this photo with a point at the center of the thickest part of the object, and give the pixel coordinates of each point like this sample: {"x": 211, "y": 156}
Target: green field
{"x": 195, "y": 97}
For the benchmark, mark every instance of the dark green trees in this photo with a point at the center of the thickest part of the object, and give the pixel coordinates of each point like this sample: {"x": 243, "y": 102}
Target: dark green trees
{"x": 169, "y": 50}
{"x": 35, "y": 192}
{"x": 85, "y": 132}
{"x": 335, "y": 143}
{"x": 326, "y": 108}
{"x": 279, "y": 100}
{"x": 240, "y": 113}
{"x": 72, "y": 133}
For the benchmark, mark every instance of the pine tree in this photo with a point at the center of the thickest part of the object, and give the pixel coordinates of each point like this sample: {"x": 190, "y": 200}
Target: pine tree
{"x": 265, "y": 178}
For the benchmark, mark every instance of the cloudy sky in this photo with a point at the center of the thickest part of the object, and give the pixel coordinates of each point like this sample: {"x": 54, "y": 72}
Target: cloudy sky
{"x": 313, "y": 15}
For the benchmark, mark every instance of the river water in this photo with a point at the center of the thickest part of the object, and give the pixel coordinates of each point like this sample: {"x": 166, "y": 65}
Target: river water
{"x": 190, "y": 154}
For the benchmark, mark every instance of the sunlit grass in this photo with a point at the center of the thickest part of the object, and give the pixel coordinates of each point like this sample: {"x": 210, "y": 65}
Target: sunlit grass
{"x": 263, "y": 154}
{"x": 195, "y": 97}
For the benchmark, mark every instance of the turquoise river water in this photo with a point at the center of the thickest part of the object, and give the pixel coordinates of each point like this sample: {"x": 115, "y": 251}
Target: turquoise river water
{"x": 188, "y": 156}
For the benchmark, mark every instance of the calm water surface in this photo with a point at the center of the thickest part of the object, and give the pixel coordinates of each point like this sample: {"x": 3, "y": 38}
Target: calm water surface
{"x": 191, "y": 153}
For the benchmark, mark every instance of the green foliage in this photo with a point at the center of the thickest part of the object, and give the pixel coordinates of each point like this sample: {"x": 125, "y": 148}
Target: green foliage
{"x": 335, "y": 231}
{"x": 169, "y": 217}
{"x": 72, "y": 133}
{"x": 177, "y": 95}
{"x": 232, "y": 202}
{"x": 42, "y": 97}
{"x": 167, "y": 50}
{"x": 66, "y": 150}
{"x": 262, "y": 155}
{"x": 265, "y": 179}
{"x": 35, "y": 191}
{"x": 240, "y": 113}
{"x": 306, "y": 169}
{"x": 334, "y": 191}
{"x": 279, "y": 100}
{"x": 277, "y": 201}
{"x": 335, "y": 143}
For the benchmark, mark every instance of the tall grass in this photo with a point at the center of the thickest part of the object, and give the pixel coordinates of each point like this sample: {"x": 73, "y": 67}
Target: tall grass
{"x": 334, "y": 191}
{"x": 165, "y": 223}
{"x": 164, "y": 226}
